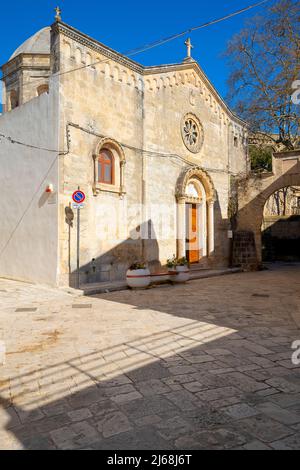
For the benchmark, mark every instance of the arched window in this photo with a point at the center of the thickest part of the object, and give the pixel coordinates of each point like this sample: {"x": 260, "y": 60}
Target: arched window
{"x": 109, "y": 167}
{"x": 106, "y": 167}
{"x": 42, "y": 89}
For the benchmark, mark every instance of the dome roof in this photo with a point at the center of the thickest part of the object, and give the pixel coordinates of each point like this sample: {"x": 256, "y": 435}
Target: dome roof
{"x": 39, "y": 43}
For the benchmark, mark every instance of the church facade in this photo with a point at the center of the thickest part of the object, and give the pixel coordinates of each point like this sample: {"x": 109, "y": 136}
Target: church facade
{"x": 153, "y": 148}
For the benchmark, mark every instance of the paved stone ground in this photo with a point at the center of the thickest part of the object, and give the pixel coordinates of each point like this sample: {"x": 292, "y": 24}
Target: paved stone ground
{"x": 204, "y": 365}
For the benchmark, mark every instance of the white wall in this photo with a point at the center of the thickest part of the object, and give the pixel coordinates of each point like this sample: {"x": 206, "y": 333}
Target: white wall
{"x": 28, "y": 218}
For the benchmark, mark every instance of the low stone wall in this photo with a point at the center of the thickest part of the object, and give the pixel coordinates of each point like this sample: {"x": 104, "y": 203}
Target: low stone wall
{"x": 244, "y": 251}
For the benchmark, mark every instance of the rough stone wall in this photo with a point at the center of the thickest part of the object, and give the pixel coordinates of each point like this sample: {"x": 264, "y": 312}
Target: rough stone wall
{"x": 24, "y": 74}
{"x": 244, "y": 251}
{"x": 35, "y": 74}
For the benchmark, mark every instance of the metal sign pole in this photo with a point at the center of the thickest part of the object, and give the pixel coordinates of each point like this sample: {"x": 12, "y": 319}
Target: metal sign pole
{"x": 78, "y": 246}
{"x": 78, "y": 199}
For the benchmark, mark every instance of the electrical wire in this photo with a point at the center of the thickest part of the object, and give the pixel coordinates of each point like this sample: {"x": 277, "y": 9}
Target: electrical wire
{"x": 138, "y": 51}
{"x": 17, "y": 142}
{"x": 195, "y": 28}
{"x": 146, "y": 47}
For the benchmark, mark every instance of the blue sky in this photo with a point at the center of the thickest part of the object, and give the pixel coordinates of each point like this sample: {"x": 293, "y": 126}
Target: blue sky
{"x": 124, "y": 25}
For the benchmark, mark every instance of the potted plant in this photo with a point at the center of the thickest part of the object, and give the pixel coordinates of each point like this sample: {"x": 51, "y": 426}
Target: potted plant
{"x": 180, "y": 267}
{"x": 171, "y": 264}
{"x": 138, "y": 276}
{"x": 182, "y": 270}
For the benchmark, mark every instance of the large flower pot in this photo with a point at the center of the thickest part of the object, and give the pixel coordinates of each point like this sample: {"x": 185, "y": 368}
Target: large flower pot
{"x": 138, "y": 278}
{"x": 182, "y": 274}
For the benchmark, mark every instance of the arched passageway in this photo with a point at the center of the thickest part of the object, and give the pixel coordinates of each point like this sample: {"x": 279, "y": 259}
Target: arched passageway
{"x": 280, "y": 228}
{"x": 254, "y": 192}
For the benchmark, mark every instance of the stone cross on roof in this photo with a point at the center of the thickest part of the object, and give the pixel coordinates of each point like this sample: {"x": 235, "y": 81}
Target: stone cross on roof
{"x": 189, "y": 47}
{"x": 58, "y": 14}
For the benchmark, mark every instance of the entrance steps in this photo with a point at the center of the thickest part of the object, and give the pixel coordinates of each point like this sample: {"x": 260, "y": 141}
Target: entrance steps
{"x": 113, "y": 286}
{"x": 198, "y": 267}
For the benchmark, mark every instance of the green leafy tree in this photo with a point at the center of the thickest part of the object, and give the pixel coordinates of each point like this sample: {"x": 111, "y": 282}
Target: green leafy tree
{"x": 261, "y": 158}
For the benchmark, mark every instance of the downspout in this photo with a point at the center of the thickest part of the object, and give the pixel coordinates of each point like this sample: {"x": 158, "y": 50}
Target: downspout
{"x": 144, "y": 231}
{"x": 230, "y": 227}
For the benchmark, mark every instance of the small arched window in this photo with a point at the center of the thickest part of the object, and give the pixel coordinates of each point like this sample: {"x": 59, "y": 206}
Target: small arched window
{"x": 42, "y": 89}
{"x": 109, "y": 168}
{"x": 106, "y": 167}
{"x": 14, "y": 99}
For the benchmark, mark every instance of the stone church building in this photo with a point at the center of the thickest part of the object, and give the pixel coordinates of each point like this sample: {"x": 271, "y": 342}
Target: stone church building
{"x": 153, "y": 148}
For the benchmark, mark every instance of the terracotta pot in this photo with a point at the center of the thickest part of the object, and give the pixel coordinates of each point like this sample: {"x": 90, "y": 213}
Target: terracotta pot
{"x": 182, "y": 274}
{"x": 138, "y": 278}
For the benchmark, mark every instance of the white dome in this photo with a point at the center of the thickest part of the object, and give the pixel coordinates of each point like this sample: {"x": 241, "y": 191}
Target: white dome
{"x": 39, "y": 43}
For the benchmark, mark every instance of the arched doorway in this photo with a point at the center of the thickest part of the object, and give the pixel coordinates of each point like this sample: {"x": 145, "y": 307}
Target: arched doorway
{"x": 281, "y": 225}
{"x": 195, "y": 215}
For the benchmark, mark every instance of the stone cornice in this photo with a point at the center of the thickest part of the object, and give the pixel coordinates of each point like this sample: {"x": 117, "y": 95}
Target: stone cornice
{"x": 81, "y": 38}
{"x": 19, "y": 59}
{"x": 287, "y": 154}
{"x": 68, "y": 31}
{"x": 153, "y": 70}
{"x": 26, "y": 67}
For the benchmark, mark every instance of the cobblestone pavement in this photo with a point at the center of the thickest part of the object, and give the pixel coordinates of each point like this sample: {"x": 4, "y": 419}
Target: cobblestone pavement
{"x": 203, "y": 365}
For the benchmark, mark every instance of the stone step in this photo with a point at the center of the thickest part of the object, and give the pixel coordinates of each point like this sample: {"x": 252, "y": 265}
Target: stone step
{"x": 114, "y": 286}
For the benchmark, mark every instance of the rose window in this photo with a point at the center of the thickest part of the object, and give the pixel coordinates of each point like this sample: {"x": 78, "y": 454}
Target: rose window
{"x": 192, "y": 133}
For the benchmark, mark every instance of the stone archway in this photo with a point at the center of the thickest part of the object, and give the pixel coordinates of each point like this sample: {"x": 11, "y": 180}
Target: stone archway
{"x": 196, "y": 197}
{"x": 255, "y": 191}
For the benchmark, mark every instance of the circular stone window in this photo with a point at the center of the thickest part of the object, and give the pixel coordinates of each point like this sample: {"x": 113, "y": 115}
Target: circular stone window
{"x": 192, "y": 133}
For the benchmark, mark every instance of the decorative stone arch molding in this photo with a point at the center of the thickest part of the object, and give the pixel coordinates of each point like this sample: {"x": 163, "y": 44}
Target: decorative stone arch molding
{"x": 204, "y": 196}
{"x": 195, "y": 172}
{"x": 119, "y": 167}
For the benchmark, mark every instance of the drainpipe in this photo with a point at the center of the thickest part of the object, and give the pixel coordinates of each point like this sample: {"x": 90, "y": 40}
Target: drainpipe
{"x": 229, "y": 193}
{"x": 144, "y": 232}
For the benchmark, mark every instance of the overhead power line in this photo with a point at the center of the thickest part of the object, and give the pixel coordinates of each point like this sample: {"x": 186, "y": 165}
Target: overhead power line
{"x": 17, "y": 142}
{"x": 162, "y": 41}
{"x": 195, "y": 28}
{"x": 146, "y": 47}
{"x": 138, "y": 51}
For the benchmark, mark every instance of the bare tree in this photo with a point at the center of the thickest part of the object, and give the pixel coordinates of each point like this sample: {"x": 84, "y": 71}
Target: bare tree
{"x": 265, "y": 58}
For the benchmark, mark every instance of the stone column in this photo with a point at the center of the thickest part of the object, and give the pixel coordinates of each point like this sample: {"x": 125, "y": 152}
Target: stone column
{"x": 211, "y": 228}
{"x": 122, "y": 170}
{"x": 203, "y": 229}
{"x": 181, "y": 251}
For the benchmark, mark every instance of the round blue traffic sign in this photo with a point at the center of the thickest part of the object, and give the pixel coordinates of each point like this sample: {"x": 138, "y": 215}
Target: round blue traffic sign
{"x": 78, "y": 197}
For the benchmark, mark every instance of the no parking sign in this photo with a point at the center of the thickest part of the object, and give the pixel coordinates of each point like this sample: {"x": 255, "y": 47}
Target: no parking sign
{"x": 78, "y": 198}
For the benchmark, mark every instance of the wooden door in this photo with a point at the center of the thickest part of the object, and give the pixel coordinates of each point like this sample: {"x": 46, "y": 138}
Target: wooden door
{"x": 192, "y": 237}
